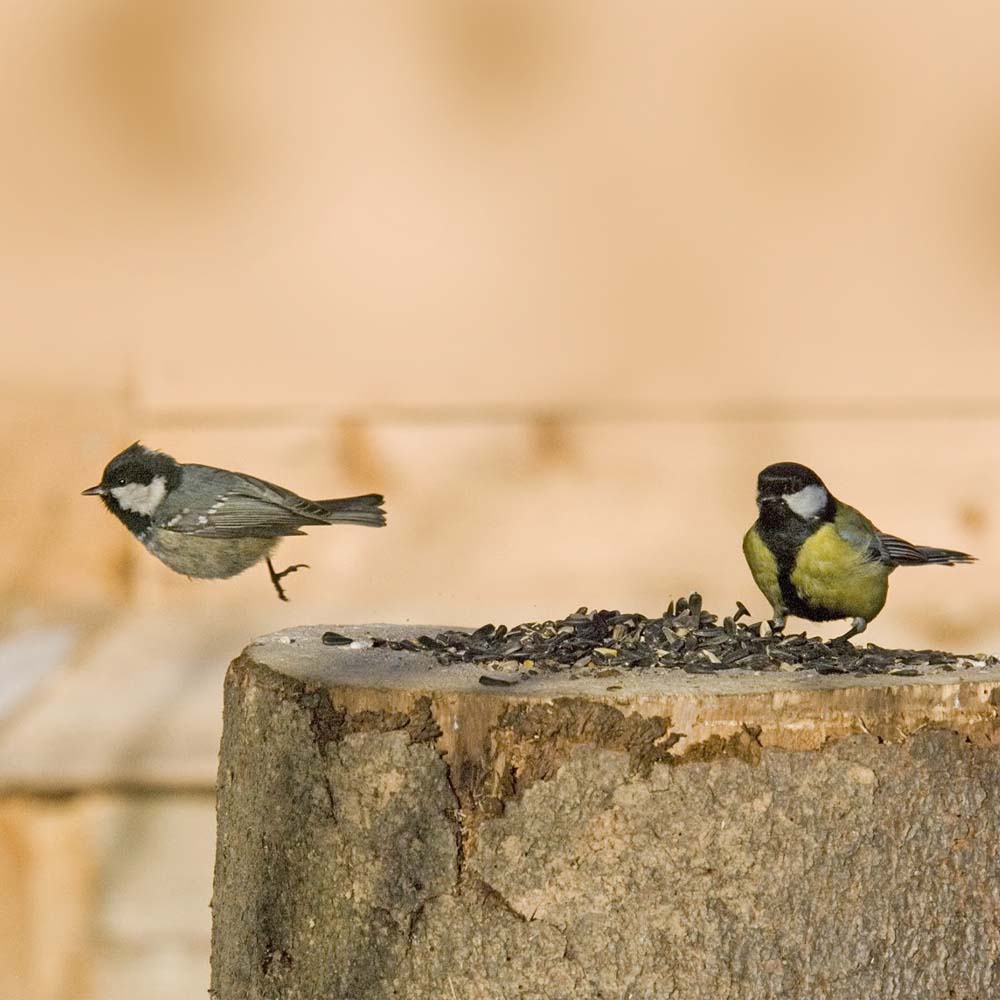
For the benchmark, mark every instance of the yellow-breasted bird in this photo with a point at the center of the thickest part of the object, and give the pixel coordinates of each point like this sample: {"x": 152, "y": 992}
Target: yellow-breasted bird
{"x": 817, "y": 558}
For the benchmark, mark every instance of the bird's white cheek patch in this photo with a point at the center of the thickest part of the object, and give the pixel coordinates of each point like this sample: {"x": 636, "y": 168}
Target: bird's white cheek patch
{"x": 141, "y": 498}
{"x": 807, "y": 502}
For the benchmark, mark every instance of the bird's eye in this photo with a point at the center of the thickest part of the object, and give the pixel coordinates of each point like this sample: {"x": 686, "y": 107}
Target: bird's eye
{"x": 123, "y": 481}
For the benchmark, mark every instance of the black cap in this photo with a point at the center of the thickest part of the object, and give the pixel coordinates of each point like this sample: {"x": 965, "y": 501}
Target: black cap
{"x": 783, "y": 478}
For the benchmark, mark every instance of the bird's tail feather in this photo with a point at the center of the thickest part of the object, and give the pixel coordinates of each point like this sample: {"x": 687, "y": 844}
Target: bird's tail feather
{"x": 944, "y": 557}
{"x": 366, "y": 509}
{"x": 903, "y": 553}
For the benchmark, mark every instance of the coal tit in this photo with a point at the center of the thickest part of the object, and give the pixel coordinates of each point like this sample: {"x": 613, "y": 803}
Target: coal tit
{"x": 819, "y": 559}
{"x": 212, "y": 524}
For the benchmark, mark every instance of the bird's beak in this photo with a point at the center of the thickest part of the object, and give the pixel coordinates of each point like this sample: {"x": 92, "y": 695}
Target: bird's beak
{"x": 94, "y": 491}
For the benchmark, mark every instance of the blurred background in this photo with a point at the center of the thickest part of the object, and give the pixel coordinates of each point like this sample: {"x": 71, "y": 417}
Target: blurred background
{"x": 558, "y": 279}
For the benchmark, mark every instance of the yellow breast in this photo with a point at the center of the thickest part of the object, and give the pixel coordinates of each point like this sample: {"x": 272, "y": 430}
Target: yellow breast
{"x": 833, "y": 574}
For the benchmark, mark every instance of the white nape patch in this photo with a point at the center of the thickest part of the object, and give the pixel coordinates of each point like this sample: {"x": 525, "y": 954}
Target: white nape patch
{"x": 142, "y": 498}
{"x": 808, "y": 501}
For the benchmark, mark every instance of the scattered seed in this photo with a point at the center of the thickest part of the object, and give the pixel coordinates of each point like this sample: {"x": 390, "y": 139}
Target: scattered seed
{"x": 335, "y": 639}
{"x": 685, "y": 637}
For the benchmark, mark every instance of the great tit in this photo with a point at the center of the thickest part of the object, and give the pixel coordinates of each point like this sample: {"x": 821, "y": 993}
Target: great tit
{"x": 212, "y": 524}
{"x": 816, "y": 558}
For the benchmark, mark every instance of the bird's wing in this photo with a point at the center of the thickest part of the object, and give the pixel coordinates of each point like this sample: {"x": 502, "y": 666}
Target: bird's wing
{"x": 873, "y": 545}
{"x": 890, "y": 549}
{"x": 859, "y": 532}
{"x": 233, "y": 505}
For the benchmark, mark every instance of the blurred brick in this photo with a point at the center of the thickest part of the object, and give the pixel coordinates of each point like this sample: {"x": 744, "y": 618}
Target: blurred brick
{"x": 106, "y": 897}
{"x": 140, "y": 708}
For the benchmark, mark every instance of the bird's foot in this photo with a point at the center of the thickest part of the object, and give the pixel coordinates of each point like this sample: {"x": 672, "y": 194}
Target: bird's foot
{"x": 276, "y": 577}
{"x": 857, "y": 627}
{"x": 777, "y": 625}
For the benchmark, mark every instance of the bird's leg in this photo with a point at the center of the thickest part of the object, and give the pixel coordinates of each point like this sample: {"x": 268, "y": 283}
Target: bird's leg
{"x": 857, "y": 627}
{"x": 276, "y": 577}
{"x": 777, "y": 624}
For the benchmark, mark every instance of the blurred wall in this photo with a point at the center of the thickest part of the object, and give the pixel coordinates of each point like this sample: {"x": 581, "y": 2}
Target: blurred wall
{"x": 558, "y": 279}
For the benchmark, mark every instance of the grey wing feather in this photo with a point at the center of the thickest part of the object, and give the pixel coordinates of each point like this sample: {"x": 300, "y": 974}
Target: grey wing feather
{"x": 233, "y": 505}
{"x": 899, "y": 552}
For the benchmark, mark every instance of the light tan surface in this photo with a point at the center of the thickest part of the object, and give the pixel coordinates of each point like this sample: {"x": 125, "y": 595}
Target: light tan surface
{"x": 105, "y": 896}
{"x": 558, "y": 280}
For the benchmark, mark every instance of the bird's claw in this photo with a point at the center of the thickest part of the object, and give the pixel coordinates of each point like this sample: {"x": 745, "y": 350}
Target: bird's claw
{"x": 276, "y": 577}
{"x": 857, "y": 627}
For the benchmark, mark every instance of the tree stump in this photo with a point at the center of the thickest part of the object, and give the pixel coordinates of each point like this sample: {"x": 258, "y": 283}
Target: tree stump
{"x": 392, "y": 827}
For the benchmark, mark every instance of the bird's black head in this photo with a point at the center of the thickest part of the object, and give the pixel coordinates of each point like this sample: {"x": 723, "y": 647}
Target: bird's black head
{"x": 135, "y": 483}
{"x": 788, "y": 488}
{"x": 783, "y": 478}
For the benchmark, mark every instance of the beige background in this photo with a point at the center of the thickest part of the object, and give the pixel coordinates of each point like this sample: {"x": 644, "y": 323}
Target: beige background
{"x": 558, "y": 279}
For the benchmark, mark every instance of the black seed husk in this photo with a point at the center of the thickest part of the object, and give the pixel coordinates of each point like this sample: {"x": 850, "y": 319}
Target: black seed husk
{"x": 685, "y": 637}
{"x": 335, "y": 639}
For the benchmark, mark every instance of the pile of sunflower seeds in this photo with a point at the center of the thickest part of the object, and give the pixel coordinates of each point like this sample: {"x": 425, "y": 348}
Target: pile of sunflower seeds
{"x": 685, "y": 637}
